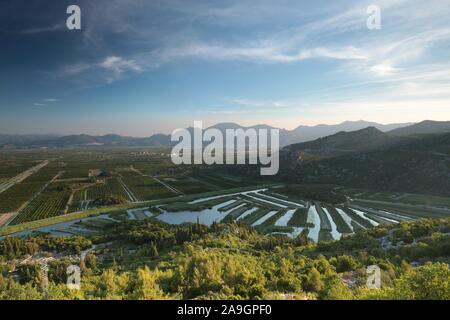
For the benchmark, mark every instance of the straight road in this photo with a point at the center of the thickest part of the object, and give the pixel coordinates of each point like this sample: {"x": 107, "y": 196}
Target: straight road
{"x": 22, "y": 176}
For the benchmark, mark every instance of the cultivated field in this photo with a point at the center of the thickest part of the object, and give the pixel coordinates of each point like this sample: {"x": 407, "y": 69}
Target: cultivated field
{"x": 68, "y": 184}
{"x": 262, "y": 209}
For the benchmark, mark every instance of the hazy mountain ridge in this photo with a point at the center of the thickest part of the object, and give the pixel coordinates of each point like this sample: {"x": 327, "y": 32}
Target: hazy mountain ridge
{"x": 346, "y": 142}
{"x": 287, "y": 137}
{"x": 308, "y": 133}
{"x": 424, "y": 127}
{"x": 374, "y": 160}
{"x": 24, "y": 138}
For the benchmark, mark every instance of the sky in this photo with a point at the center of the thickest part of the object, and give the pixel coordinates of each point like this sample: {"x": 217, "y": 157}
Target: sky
{"x": 140, "y": 67}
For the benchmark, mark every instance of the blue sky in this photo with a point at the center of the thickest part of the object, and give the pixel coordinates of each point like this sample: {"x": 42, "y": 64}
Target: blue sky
{"x": 139, "y": 67}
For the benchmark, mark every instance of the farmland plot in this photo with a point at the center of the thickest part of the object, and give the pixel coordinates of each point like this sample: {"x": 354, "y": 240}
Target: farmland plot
{"x": 334, "y": 232}
{"x": 413, "y": 211}
{"x": 216, "y": 180}
{"x": 109, "y": 187}
{"x": 145, "y": 188}
{"x": 364, "y": 215}
{"x": 343, "y": 224}
{"x": 47, "y": 204}
{"x": 283, "y": 221}
{"x": 314, "y": 219}
{"x": 374, "y": 215}
{"x": 188, "y": 185}
{"x": 14, "y": 197}
{"x": 260, "y": 199}
{"x": 278, "y": 198}
{"x": 264, "y": 218}
{"x": 255, "y": 216}
{"x": 361, "y": 221}
{"x": 238, "y": 211}
{"x": 247, "y": 213}
{"x": 232, "y": 205}
{"x": 348, "y": 220}
{"x": 300, "y": 218}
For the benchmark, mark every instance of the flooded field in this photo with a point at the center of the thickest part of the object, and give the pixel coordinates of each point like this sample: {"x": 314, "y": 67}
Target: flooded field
{"x": 267, "y": 211}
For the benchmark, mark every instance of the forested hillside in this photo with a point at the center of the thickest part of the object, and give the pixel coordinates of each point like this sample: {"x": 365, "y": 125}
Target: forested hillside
{"x": 150, "y": 260}
{"x": 373, "y": 160}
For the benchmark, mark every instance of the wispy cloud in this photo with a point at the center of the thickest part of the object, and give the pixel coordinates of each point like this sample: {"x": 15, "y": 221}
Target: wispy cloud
{"x": 110, "y": 68}
{"x": 119, "y": 65}
{"x": 341, "y": 58}
{"x": 45, "y": 102}
{"x": 384, "y": 69}
{"x": 340, "y": 34}
{"x": 258, "y": 104}
{"x": 261, "y": 53}
{"x": 225, "y": 112}
{"x": 53, "y": 28}
{"x": 75, "y": 69}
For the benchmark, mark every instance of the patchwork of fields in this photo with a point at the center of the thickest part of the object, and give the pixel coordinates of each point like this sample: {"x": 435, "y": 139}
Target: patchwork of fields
{"x": 53, "y": 185}
{"x": 272, "y": 213}
{"x": 41, "y": 185}
{"x": 263, "y": 209}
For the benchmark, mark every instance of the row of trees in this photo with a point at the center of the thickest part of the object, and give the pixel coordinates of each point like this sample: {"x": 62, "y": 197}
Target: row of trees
{"x": 14, "y": 247}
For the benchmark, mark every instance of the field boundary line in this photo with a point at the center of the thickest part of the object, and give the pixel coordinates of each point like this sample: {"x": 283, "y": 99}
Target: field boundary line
{"x": 22, "y": 176}
{"x": 28, "y": 202}
{"x": 130, "y": 194}
{"x": 176, "y": 191}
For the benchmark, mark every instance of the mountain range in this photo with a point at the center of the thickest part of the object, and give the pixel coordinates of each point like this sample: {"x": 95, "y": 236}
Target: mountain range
{"x": 413, "y": 159}
{"x": 287, "y": 137}
{"x": 399, "y": 157}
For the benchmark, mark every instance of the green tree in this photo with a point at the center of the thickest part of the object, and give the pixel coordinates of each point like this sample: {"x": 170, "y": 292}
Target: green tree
{"x": 313, "y": 281}
{"x": 428, "y": 282}
{"x": 346, "y": 263}
{"x": 153, "y": 250}
{"x": 90, "y": 261}
{"x": 145, "y": 285}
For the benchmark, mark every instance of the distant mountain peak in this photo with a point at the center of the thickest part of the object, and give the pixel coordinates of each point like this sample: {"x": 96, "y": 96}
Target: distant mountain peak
{"x": 345, "y": 142}
{"x": 423, "y": 127}
{"x": 370, "y": 130}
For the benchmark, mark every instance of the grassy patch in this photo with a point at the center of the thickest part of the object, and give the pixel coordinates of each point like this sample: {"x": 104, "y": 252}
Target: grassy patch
{"x": 255, "y": 216}
{"x": 325, "y": 223}
{"x": 263, "y": 227}
{"x": 299, "y": 219}
{"x": 325, "y": 235}
{"x": 198, "y": 206}
{"x": 261, "y": 203}
{"x": 408, "y": 210}
{"x": 233, "y": 215}
{"x": 341, "y": 225}
{"x": 231, "y": 205}
{"x": 271, "y": 229}
{"x": 276, "y": 201}
{"x": 364, "y": 222}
